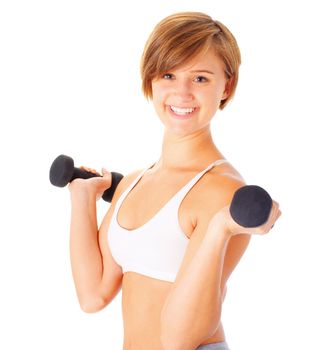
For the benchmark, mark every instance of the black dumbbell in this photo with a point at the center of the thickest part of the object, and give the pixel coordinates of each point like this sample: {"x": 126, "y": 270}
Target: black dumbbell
{"x": 62, "y": 171}
{"x": 251, "y": 206}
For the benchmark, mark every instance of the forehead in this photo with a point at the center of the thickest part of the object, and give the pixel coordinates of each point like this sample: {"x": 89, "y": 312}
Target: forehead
{"x": 204, "y": 61}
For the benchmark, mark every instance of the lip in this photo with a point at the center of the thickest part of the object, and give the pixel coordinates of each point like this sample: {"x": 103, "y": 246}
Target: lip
{"x": 182, "y": 117}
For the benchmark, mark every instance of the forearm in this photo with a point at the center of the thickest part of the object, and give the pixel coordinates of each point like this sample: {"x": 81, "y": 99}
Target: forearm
{"x": 86, "y": 259}
{"x": 193, "y": 305}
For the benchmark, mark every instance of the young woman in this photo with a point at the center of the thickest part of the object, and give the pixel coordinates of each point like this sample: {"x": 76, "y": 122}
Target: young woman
{"x": 168, "y": 239}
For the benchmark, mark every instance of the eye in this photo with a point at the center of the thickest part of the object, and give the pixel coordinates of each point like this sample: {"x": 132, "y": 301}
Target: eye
{"x": 201, "y": 79}
{"x": 167, "y": 76}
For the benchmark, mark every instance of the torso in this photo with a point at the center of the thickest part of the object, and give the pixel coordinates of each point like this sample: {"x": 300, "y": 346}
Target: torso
{"x": 143, "y": 297}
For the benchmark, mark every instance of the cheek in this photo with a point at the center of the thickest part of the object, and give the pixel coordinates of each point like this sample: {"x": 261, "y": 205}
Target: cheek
{"x": 158, "y": 98}
{"x": 159, "y": 89}
{"x": 157, "y": 95}
{"x": 212, "y": 98}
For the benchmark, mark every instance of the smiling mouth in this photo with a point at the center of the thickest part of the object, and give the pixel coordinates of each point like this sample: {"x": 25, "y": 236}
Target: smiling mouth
{"x": 182, "y": 111}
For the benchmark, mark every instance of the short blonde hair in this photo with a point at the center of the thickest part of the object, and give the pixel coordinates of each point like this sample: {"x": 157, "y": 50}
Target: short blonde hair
{"x": 182, "y": 36}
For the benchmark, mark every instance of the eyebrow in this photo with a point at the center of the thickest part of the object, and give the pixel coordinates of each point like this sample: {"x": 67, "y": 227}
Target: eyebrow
{"x": 201, "y": 71}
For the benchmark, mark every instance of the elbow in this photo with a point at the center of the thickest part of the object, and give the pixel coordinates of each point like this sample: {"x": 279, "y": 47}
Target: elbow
{"x": 90, "y": 308}
{"x": 92, "y": 305}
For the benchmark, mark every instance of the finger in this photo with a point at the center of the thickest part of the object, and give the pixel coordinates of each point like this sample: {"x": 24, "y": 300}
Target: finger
{"x": 93, "y": 171}
{"x": 275, "y": 211}
{"x": 105, "y": 172}
{"x": 83, "y": 167}
{"x": 279, "y": 213}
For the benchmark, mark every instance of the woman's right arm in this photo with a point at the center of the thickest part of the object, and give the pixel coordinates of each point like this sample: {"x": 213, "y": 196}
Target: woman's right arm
{"x": 97, "y": 277}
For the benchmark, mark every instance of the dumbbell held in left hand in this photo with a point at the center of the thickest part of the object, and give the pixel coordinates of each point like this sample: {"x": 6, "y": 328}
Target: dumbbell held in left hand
{"x": 251, "y": 206}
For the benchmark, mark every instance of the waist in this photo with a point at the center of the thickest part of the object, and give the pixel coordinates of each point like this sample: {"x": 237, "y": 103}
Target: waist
{"x": 214, "y": 346}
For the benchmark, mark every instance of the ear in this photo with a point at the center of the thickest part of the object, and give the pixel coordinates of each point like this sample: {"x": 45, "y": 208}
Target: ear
{"x": 228, "y": 87}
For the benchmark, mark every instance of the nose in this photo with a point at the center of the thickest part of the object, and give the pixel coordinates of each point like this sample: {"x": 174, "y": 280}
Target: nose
{"x": 183, "y": 90}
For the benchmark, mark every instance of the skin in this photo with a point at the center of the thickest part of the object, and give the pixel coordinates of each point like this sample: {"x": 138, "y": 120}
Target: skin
{"x": 159, "y": 314}
{"x": 189, "y": 86}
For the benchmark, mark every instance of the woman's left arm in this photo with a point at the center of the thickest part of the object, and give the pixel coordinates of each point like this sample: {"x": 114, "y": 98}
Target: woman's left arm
{"x": 192, "y": 310}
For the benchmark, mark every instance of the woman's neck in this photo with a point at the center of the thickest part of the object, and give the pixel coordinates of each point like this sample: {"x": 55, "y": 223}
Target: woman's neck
{"x": 190, "y": 151}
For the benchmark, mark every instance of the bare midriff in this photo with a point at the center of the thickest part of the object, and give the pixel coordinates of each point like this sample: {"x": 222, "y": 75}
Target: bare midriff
{"x": 142, "y": 301}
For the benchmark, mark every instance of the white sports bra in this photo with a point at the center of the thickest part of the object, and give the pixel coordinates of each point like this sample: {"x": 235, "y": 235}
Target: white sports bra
{"x": 155, "y": 249}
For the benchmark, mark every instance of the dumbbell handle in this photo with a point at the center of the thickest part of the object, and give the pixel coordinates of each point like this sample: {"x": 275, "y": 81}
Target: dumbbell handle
{"x": 79, "y": 173}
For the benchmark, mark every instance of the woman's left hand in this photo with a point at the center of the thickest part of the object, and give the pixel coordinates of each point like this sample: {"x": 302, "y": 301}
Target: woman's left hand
{"x": 222, "y": 220}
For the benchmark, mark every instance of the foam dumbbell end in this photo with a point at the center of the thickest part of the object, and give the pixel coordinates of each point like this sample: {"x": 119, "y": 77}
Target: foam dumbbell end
{"x": 251, "y": 206}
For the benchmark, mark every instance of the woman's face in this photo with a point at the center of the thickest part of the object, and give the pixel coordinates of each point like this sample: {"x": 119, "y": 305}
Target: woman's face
{"x": 187, "y": 98}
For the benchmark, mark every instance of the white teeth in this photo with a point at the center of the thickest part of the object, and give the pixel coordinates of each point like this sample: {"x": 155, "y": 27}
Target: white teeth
{"x": 181, "y": 111}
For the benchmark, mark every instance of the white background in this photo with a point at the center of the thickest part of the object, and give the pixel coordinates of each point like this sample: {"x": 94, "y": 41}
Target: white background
{"x": 70, "y": 83}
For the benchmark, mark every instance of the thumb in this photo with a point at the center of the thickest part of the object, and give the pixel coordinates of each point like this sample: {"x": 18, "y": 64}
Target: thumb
{"x": 105, "y": 172}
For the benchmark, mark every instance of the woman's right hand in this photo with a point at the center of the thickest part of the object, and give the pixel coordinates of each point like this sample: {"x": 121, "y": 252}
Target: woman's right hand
{"x": 94, "y": 186}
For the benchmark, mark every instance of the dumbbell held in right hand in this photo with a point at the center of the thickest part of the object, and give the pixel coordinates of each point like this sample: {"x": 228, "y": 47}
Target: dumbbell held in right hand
{"x": 63, "y": 171}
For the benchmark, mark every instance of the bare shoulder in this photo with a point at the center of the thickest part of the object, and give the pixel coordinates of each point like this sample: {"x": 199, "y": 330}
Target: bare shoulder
{"x": 217, "y": 190}
{"x": 127, "y": 180}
